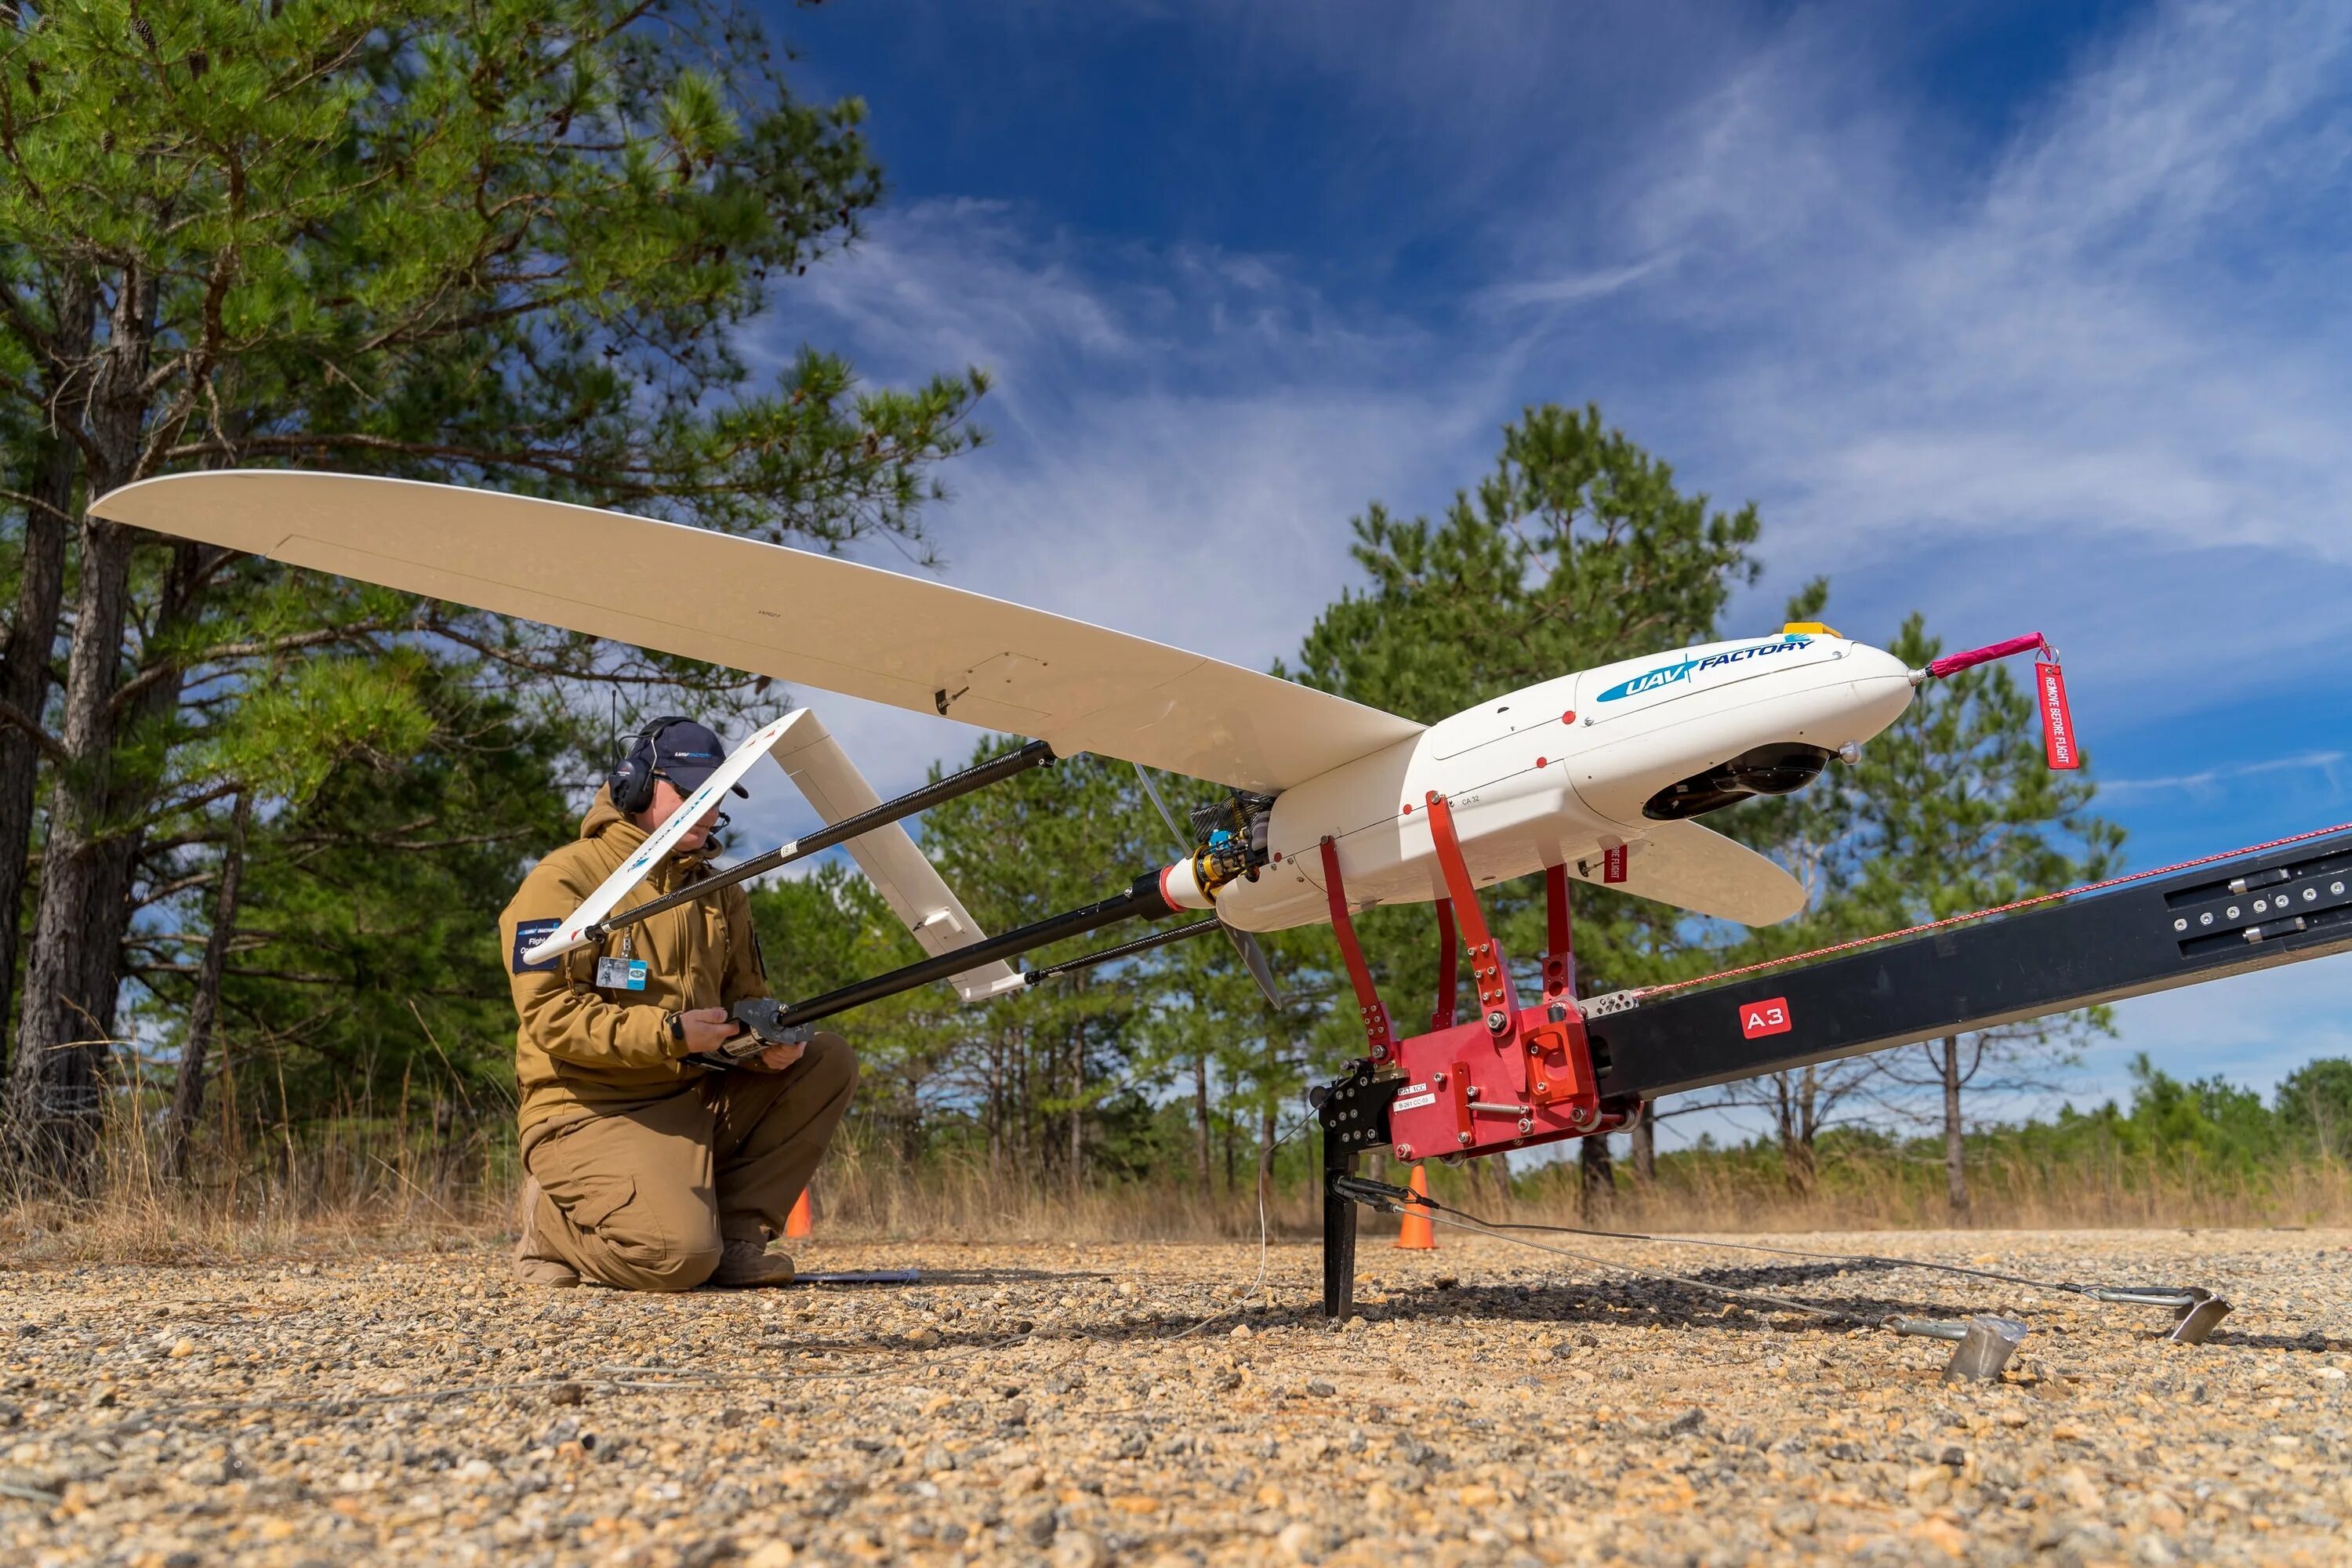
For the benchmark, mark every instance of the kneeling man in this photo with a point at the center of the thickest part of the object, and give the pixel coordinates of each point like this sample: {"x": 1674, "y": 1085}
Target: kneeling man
{"x": 647, "y": 1170}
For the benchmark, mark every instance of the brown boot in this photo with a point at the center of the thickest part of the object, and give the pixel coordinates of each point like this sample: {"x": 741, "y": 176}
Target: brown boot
{"x": 751, "y": 1263}
{"x": 532, "y": 1264}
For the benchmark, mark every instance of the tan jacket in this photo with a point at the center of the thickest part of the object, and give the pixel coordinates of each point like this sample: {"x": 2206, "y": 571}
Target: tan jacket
{"x": 582, "y": 1047}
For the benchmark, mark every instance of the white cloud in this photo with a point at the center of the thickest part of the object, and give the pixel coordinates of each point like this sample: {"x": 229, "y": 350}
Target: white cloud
{"x": 2207, "y": 781}
{"x": 2073, "y": 390}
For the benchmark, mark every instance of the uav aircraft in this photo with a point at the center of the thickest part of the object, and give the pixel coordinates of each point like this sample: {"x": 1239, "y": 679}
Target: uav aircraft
{"x": 1592, "y": 777}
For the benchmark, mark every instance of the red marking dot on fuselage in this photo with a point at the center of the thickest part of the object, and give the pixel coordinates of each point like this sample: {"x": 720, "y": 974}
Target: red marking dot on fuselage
{"x": 1568, "y": 716}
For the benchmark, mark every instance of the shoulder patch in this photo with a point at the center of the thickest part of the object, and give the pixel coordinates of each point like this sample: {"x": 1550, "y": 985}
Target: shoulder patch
{"x": 527, "y": 935}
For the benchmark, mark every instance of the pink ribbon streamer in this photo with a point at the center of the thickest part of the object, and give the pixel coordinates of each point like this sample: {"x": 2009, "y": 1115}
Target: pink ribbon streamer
{"x": 1953, "y": 663}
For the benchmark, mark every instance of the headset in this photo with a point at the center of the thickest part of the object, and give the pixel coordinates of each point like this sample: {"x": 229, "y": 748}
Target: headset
{"x": 630, "y": 780}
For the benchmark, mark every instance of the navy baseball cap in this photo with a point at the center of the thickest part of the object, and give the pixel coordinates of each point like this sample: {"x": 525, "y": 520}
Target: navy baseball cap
{"x": 687, "y": 754}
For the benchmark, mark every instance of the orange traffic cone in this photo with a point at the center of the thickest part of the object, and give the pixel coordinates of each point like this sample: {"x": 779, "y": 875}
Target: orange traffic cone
{"x": 1416, "y": 1233}
{"x": 797, "y": 1222}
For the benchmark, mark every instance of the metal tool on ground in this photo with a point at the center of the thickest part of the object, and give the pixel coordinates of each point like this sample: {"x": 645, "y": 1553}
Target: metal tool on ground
{"x": 1982, "y": 1345}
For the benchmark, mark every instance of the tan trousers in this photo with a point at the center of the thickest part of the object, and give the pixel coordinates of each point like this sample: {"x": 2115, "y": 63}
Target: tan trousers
{"x": 645, "y": 1199}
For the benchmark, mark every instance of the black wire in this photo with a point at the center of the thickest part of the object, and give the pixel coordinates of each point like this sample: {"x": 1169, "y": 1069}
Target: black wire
{"x": 1850, "y": 1258}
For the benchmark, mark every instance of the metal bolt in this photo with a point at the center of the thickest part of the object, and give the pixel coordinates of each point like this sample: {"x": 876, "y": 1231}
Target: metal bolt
{"x": 1462, "y": 1137}
{"x": 1438, "y": 1079}
{"x": 1498, "y": 1020}
{"x": 1543, "y": 1089}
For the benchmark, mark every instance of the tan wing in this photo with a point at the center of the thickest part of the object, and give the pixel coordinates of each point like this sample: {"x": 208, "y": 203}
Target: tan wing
{"x": 798, "y": 617}
{"x": 1699, "y": 869}
{"x": 899, "y": 871}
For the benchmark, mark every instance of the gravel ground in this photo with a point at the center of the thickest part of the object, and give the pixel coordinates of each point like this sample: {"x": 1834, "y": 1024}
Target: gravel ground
{"x": 1036, "y": 1403}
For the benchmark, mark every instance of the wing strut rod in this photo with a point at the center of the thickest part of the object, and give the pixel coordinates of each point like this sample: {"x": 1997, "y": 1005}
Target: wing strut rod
{"x": 1143, "y": 900}
{"x": 1035, "y": 755}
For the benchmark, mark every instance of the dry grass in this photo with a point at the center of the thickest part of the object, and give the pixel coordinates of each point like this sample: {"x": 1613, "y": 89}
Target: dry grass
{"x": 361, "y": 1185}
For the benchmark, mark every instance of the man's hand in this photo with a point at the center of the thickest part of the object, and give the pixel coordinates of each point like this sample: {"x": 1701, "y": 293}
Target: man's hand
{"x": 776, "y": 1058}
{"x": 706, "y": 1030}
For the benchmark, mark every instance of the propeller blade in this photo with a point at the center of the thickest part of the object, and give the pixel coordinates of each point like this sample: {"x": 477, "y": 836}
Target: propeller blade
{"x": 1252, "y": 955}
{"x": 1254, "y": 958}
{"x": 1165, "y": 816}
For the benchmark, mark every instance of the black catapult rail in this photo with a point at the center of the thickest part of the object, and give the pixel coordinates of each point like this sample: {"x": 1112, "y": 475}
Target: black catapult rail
{"x": 2232, "y": 917}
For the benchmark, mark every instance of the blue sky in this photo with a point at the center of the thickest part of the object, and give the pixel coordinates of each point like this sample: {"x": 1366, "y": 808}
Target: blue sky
{"x": 2027, "y": 316}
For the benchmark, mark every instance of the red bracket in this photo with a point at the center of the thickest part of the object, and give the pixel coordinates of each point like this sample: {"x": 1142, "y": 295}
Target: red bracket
{"x": 1449, "y": 967}
{"x": 1560, "y": 955}
{"x": 1378, "y": 1040}
{"x": 1488, "y": 965}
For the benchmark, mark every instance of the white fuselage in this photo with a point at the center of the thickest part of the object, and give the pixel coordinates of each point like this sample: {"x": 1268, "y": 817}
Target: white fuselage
{"x": 1558, "y": 773}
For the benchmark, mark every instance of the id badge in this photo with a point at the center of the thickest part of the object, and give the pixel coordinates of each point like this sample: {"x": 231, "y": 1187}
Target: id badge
{"x": 621, "y": 974}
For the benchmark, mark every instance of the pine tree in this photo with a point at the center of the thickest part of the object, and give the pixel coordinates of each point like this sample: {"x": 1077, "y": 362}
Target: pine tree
{"x": 509, "y": 242}
{"x": 1955, "y": 810}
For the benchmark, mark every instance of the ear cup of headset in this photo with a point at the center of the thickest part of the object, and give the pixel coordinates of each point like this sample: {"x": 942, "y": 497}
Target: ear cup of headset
{"x": 631, "y": 782}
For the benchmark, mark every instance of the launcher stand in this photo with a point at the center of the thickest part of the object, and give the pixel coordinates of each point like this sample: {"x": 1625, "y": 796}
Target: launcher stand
{"x": 1515, "y": 1077}
{"x": 1524, "y": 1076}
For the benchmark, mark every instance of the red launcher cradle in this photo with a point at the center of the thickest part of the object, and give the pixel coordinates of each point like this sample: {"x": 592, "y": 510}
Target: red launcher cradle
{"x": 1520, "y": 1074}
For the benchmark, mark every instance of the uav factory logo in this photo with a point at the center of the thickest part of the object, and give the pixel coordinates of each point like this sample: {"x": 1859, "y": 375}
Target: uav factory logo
{"x": 1668, "y": 674}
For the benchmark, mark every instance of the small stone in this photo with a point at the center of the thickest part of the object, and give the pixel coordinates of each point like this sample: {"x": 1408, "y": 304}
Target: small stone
{"x": 2081, "y": 1490}
{"x": 1922, "y": 1477}
{"x": 1240, "y": 1331}
{"x": 1297, "y": 1540}
{"x": 923, "y": 1337}
{"x": 566, "y": 1394}
{"x": 1319, "y": 1388}
{"x": 1079, "y": 1548}
{"x": 770, "y": 1554}
{"x": 1797, "y": 1519}
{"x": 182, "y": 1350}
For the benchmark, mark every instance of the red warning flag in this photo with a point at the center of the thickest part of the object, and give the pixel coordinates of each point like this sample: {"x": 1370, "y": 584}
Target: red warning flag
{"x": 2057, "y": 721}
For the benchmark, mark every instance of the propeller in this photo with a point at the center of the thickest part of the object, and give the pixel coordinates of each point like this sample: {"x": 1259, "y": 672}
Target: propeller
{"x": 1245, "y": 943}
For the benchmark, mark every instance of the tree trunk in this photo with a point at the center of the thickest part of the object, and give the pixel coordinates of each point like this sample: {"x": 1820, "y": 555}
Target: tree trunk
{"x": 1596, "y": 1186}
{"x": 1799, "y": 1113}
{"x": 1202, "y": 1127}
{"x": 1645, "y": 1145}
{"x": 204, "y": 1010}
{"x": 1077, "y": 1108}
{"x": 57, "y": 1081}
{"x": 1955, "y": 1171}
{"x": 33, "y": 632}
{"x": 25, "y": 683}
{"x": 1265, "y": 1127}
{"x": 61, "y": 1053}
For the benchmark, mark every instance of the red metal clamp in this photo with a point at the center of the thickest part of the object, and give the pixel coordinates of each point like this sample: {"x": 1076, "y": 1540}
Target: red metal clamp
{"x": 1378, "y": 1040}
